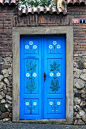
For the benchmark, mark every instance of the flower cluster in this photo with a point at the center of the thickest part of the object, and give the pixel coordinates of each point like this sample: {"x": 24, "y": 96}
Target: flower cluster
{"x": 36, "y": 3}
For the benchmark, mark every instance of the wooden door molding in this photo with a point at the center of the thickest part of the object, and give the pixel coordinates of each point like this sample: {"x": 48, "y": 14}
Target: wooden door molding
{"x": 62, "y": 30}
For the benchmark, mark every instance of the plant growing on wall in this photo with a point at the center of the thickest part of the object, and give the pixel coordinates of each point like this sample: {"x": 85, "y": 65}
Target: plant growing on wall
{"x": 36, "y": 3}
{"x": 45, "y": 3}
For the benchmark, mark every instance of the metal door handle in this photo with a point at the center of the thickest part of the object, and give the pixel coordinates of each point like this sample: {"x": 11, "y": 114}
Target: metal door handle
{"x": 45, "y": 76}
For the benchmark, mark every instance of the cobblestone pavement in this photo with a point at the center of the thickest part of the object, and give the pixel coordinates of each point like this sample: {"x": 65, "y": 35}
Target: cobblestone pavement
{"x": 38, "y": 126}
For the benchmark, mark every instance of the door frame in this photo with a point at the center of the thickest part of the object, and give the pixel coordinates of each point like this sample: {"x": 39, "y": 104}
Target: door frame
{"x": 61, "y": 30}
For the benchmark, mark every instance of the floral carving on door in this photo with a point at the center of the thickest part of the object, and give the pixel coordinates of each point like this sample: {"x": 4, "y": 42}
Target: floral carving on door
{"x": 54, "y": 106}
{"x": 55, "y": 74}
{"x": 31, "y": 74}
{"x": 31, "y": 106}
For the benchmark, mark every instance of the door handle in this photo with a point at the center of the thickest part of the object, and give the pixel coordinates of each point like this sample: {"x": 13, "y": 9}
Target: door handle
{"x": 45, "y": 76}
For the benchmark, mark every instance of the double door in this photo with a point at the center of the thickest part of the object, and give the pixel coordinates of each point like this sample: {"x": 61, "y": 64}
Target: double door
{"x": 42, "y": 77}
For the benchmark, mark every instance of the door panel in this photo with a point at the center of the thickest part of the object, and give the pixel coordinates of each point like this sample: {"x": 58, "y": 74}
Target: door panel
{"x": 54, "y": 68}
{"x": 30, "y": 76}
{"x": 42, "y": 77}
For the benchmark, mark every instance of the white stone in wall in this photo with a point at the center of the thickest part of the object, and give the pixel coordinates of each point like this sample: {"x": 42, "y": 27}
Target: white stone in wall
{"x": 1, "y": 77}
{"x": 81, "y": 113}
{"x": 1, "y": 97}
{"x": 9, "y": 89}
{"x": 83, "y": 103}
{"x": 8, "y": 97}
{"x": 84, "y": 59}
{"x": 82, "y": 91}
{"x": 77, "y": 100}
{"x": 83, "y": 95}
{"x": 75, "y": 90}
{"x": 6, "y": 119}
{"x": 77, "y": 73}
{"x": 6, "y": 105}
{"x": 3, "y": 101}
{"x": 2, "y": 94}
{"x": 78, "y": 83}
{"x": 75, "y": 64}
{"x": 5, "y": 73}
{"x": 75, "y": 122}
{"x": 6, "y": 81}
{"x": 7, "y": 60}
{"x": 1, "y": 85}
{"x": 10, "y": 70}
{"x": 83, "y": 76}
{"x": 8, "y": 101}
{"x": 77, "y": 59}
{"x": 77, "y": 108}
{"x": 84, "y": 70}
{"x": 4, "y": 86}
{"x": 78, "y": 116}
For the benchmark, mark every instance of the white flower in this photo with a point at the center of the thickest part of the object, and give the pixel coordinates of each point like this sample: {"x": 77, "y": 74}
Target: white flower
{"x": 26, "y": 46}
{"x": 58, "y": 46}
{"x": 34, "y": 47}
{"x": 35, "y": 103}
{"x": 27, "y": 103}
{"x": 54, "y": 42}
{"x": 58, "y": 74}
{"x": 27, "y": 74}
{"x": 58, "y": 103}
{"x": 51, "y": 74}
{"x": 50, "y": 46}
{"x": 51, "y": 103}
{"x": 38, "y": 0}
{"x": 34, "y": 74}
{"x": 53, "y": 8}
{"x": 31, "y": 42}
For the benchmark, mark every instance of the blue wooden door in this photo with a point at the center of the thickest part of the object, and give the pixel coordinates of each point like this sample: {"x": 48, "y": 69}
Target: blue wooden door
{"x": 42, "y": 77}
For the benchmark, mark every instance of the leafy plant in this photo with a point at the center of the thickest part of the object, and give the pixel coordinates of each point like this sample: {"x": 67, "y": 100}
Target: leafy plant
{"x": 35, "y": 3}
{"x": 45, "y": 3}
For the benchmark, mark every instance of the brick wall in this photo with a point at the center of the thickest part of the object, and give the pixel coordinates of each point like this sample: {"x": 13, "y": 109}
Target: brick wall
{"x": 6, "y": 14}
{"x": 9, "y": 19}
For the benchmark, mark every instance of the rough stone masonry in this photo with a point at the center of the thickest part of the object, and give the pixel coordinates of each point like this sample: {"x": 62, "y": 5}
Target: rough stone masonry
{"x": 80, "y": 88}
{"x": 5, "y": 88}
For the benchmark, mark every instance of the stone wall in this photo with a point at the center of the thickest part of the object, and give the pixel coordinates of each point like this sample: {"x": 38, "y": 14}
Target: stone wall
{"x": 5, "y": 88}
{"x": 80, "y": 88}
